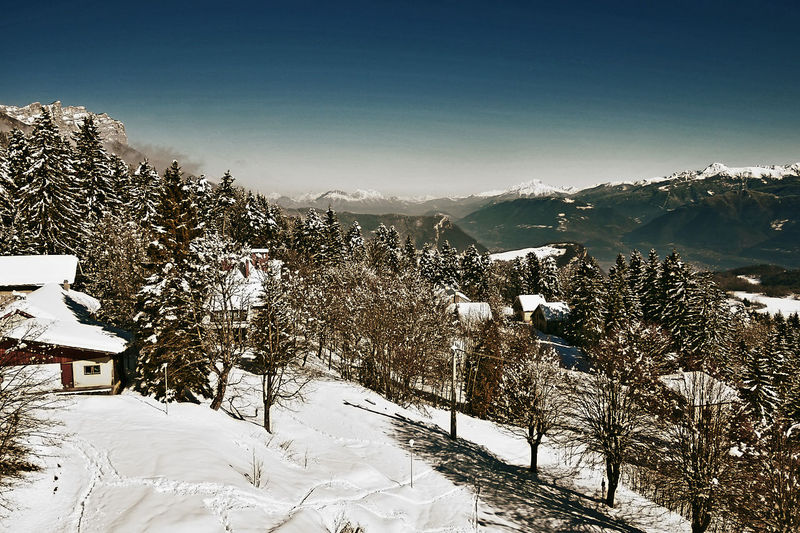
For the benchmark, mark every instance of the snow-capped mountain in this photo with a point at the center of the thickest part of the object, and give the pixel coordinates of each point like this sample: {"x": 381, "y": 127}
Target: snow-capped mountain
{"x": 527, "y": 189}
{"x": 67, "y": 118}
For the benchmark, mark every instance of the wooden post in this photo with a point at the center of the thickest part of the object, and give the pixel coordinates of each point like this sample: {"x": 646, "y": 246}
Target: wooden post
{"x": 453, "y": 433}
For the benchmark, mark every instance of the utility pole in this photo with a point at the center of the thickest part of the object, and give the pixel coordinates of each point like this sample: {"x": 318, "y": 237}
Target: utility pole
{"x": 411, "y": 444}
{"x": 453, "y": 434}
{"x": 166, "y": 390}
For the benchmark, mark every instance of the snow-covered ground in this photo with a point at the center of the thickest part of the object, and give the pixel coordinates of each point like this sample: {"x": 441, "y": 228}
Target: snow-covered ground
{"x": 124, "y": 465}
{"x": 541, "y": 252}
{"x": 773, "y": 306}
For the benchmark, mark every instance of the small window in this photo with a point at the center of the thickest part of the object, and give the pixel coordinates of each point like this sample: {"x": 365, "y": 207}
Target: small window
{"x": 91, "y": 370}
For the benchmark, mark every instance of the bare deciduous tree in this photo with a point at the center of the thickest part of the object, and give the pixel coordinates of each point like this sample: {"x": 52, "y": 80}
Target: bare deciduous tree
{"x": 533, "y": 398}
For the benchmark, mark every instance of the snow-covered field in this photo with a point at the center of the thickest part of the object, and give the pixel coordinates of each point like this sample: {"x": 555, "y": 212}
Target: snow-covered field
{"x": 785, "y": 306}
{"x": 125, "y": 466}
{"x": 541, "y": 252}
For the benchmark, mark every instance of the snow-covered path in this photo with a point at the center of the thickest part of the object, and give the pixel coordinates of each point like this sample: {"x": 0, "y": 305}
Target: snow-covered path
{"x": 124, "y": 465}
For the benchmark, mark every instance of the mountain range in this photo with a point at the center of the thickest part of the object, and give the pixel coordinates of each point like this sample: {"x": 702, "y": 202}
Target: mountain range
{"x": 718, "y": 217}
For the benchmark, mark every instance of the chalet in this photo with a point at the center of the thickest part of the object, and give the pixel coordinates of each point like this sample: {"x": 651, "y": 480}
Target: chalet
{"x": 471, "y": 314}
{"x": 235, "y": 305}
{"x": 700, "y": 389}
{"x": 550, "y": 317}
{"x": 451, "y": 295}
{"x": 525, "y": 305}
{"x": 21, "y": 274}
{"x": 54, "y": 325}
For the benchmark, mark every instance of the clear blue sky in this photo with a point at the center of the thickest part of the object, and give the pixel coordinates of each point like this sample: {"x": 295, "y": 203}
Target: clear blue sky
{"x": 423, "y": 97}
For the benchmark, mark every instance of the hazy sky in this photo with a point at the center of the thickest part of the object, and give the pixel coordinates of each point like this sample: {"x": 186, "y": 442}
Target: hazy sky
{"x": 423, "y": 97}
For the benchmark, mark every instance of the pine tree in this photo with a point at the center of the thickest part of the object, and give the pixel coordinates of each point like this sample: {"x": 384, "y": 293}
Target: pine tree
{"x": 430, "y": 265}
{"x": 124, "y": 187}
{"x": 449, "y": 265}
{"x": 93, "y": 172}
{"x": 474, "y": 274}
{"x": 549, "y": 281}
{"x": 410, "y": 251}
{"x": 533, "y": 273}
{"x": 49, "y": 206}
{"x": 224, "y": 199}
{"x": 354, "y": 242}
{"x": 147, "y": 193}
{"x": 617, "y": 298}
{"x": 649, "y": 292}
{"x": 334, "y": 244}
{"x": 517, "y": 279}
{"x": 636, "y": 280}
{"x": 310, "y": 237}
{"x": 203, "y": 197}
{"x": 14, "y": 162}
{"x": 587, "y": 310}
{"x": 676, "y": 289}
{"x": 758, "y": 389}
{"x": 167, "y": 319}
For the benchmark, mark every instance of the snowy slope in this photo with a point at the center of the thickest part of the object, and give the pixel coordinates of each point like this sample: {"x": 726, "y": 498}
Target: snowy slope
{"x": 124, "y": 465}
{"x": 773, "y": 306}
{"x": 541, "y": 252}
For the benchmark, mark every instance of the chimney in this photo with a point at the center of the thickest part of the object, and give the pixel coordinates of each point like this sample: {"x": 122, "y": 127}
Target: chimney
{"x": 65, "y": 285}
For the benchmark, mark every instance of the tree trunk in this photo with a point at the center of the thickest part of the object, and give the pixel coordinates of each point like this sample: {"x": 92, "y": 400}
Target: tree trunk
{"x": 222, "y": 385}
{"x": 612, "y": 472}
{"x": 701, "y": 517}
{"x": 534, "y": 440}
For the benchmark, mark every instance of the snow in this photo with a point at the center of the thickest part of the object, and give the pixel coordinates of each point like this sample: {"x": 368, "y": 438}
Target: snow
{"x": 700, "y": 388}
{"x": 343, "y": 455}
{"x": 23, "y": 270}
{"x": 53, "y": 315}
{"x": 752, "y": 280}
{"x": 541, "y": 252}
{"x": 773, "y": 306}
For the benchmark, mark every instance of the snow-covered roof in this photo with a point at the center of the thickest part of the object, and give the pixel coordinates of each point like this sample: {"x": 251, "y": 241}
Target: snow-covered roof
{"x": 471, "y": 312}
{"x": 52, "y": 315}
{"x": 37, "y": 270}
{"x": 700, "y": 388}
{"x": 529, "y": 302}
{"x": 554, "y": 310}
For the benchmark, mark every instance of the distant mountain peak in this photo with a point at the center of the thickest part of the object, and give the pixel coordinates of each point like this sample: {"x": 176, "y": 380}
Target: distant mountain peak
{"x": 67, "y": 118}
{"x": 533, "y": 187}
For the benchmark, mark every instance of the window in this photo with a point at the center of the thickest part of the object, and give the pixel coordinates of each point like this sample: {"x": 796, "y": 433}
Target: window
{"x": 91, "y": 370}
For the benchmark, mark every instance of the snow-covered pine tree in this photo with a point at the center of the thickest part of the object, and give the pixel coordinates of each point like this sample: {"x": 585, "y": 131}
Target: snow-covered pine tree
{"x": 148, "y": 190}
{"x": 258, "y": 226}
{"x": 167, "y": 319}
{"x": 616, "y": 302}
{"x": 517, "y": 279}
{"x": 334, "y": 244}
{"x": 203, "y": 198}
{"x": 410, "y": 251}
{"x": 93, "y": 172}
{"x": 430, "y": 264}
{"x": 649, "y": 292}
{"x": 449, "y": 266}
{"x": 533, "y": 273}
{"x": 549, "y": 281}
{"x": 123, "y": 186}
{"x": 354, "y": 242}
{"x": 13, "y": 164}
{"x": 309, "y": 239}
{"x": 636, "y": 274}
{"x": 50, "y": 215}
{"x": 224, "y": 198}
{"x": 587, "y": 309}
{"x": 474, "y": 274}
{"x": 758, "y": 389}
{"x": 676, "y": 290}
